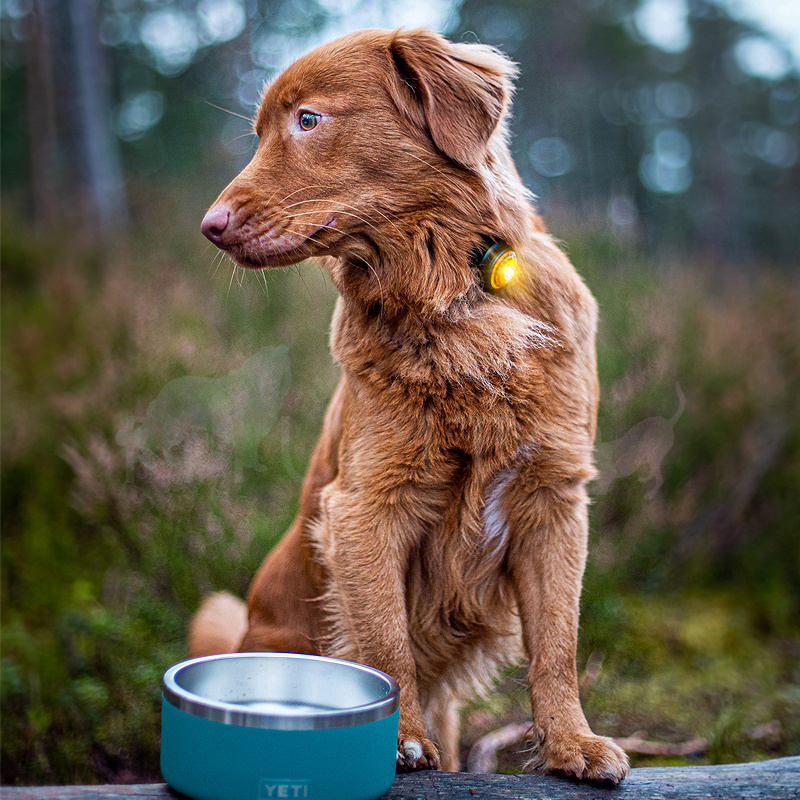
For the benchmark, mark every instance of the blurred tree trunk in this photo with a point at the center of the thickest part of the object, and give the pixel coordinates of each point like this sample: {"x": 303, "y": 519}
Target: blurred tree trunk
{"x": 41, "y": 117}
{"x": 103, "y": 201}
{"x": 75, "y": 168}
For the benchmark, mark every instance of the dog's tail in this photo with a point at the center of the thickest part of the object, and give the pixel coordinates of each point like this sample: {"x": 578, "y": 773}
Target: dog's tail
{"x": 218, "y": 626}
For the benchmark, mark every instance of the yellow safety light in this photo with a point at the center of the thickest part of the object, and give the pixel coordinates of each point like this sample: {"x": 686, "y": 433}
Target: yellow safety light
{"x": 499, "y": 266}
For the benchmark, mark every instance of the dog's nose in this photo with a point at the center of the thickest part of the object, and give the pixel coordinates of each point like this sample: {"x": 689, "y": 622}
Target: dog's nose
{"x": 214, "y": 224}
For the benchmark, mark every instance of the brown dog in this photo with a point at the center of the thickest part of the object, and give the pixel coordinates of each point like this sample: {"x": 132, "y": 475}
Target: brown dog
{"x": 443, "y": 520}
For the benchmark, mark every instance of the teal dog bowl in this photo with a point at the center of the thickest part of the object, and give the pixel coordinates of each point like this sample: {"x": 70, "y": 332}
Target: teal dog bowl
{"x": 272, "y": 726}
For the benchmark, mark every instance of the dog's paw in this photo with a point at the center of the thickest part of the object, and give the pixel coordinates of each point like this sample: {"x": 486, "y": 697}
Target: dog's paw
{"x": 414, "y": 754}
{"x": 583, "y": 756}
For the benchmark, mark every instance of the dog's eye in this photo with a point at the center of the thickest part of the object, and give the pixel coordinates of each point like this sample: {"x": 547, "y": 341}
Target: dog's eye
{"x": 308, "y": 121}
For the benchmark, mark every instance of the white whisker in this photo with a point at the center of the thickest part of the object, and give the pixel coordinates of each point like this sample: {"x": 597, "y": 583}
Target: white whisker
{"x": 230, "y": 283}
{"x": 242, "y": 136}
{"x": 219, "y": 257}
{"x": 375, "y": 273}
{"x": 347, "y": 205}
{"x": 339, "y": 211}
{"x": 263, "y": 281}
{"x": 301, "y": 189}
{"x": 232, "y": 113}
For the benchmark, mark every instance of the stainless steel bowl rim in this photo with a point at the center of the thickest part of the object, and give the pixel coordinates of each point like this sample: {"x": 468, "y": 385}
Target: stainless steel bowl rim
{"x": 237, "y": 714}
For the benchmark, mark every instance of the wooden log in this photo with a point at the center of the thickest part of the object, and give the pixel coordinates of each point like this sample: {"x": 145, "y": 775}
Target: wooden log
{"x": 765, "y": 780}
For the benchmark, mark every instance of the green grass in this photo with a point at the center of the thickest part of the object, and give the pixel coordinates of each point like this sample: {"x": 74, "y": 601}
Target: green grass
{"x": 111, "y": 536}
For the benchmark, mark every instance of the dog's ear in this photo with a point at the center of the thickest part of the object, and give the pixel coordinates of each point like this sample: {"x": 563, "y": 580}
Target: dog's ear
{"x": 457, "y": 93}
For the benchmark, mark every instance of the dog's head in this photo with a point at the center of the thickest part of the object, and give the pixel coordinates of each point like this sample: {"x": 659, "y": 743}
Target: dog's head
{"x": 359, "y": 140}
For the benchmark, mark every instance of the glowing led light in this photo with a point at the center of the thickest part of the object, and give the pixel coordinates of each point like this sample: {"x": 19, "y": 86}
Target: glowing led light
{"x": 500, "y": 266}
{"x": 507, "y": 270}
{"x": 504, "y": 270}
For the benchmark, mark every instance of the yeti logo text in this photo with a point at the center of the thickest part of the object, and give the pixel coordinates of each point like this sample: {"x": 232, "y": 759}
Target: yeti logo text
{"x": 278, "y": 789}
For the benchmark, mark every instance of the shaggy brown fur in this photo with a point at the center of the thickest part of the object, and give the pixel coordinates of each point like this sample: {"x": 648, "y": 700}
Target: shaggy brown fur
{"x": 443, "y": 520}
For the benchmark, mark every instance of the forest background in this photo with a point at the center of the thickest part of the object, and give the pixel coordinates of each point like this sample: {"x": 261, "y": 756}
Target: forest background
{"x": 159, "y": 405}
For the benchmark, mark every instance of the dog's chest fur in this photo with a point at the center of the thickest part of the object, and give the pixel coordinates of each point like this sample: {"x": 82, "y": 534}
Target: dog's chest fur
{"x": 463, "y": 383}
{"x": 442, "y": 414}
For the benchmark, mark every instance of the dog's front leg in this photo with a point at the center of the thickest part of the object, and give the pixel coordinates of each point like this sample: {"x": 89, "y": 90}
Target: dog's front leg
{"x": 549, "y": 532}
{"x": 365, "y": 549}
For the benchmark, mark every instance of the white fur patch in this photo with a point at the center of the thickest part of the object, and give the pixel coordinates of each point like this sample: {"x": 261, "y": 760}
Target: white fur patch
{"x": 495, "y": 522}
{"x": 412, "y": 750}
